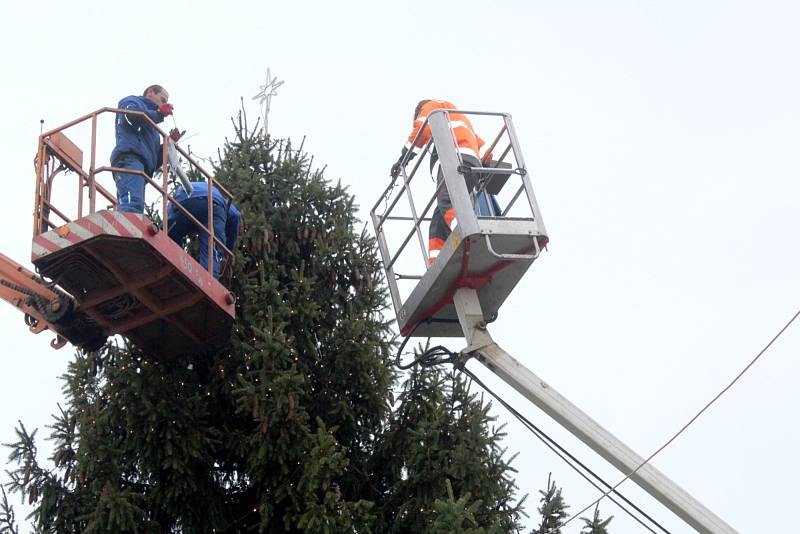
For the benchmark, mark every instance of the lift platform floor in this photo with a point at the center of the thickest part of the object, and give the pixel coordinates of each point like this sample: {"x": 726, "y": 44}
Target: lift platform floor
{"x": 133, "y": 280}
{"x": 429, "y": 309}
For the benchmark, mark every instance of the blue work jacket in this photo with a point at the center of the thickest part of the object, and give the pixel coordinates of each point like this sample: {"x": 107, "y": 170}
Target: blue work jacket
{"x": 232, "y": 215}
{"x": 135, "y": 136}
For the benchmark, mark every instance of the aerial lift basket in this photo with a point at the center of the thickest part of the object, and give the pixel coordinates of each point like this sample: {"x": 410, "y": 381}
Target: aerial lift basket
{"x": 125, "y": 274}
{"x": 488, "y": 251}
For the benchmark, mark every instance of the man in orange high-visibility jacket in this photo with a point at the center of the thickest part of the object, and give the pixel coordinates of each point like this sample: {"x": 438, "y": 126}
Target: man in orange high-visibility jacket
{"x": 469, "y": 145}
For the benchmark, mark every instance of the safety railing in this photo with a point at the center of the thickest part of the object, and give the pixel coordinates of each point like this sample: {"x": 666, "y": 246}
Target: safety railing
{"x": 401, "y": 263}
{"x": 57, "y": 154}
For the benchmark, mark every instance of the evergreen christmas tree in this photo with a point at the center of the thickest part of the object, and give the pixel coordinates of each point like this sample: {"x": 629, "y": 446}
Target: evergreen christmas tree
{"x": 275, "y": 430}
{"x": 440, "y": 437}
{"x": 287, "y": 427}
{"x": 457, "y": 516}
{"x": 596, "y": 525}
{"x": 8, "y": 523}
{"x": 553, "y": 509}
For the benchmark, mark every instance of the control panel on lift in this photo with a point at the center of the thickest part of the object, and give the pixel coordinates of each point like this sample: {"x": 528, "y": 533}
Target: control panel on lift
{"x": 500, "y": 230}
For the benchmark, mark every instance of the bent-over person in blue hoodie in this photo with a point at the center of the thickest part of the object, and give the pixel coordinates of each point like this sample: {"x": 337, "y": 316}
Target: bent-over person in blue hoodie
{"x": 226, "y": 221}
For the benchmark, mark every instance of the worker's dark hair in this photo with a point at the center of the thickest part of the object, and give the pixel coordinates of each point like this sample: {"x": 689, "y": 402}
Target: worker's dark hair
{"x": 419, "y": 107}
{"x": 155, "y": 88}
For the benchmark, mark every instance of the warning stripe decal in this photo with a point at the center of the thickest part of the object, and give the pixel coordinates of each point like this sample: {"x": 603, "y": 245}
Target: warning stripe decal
{"x": 130, "y": 222}
{"x": 56, "y": 240}
{"x": 80, "y": 231}
{"x": 111, "y": 220}
{"x": 97, "y": 225}
{"x": 42, "y": 247}
{"x": 101, "y": 222}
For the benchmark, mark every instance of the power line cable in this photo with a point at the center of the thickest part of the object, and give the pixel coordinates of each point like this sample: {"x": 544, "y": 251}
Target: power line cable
{"x": 555, "y": 447}
{"x": 437, "y": 355}
{"x": 692, "y": 420}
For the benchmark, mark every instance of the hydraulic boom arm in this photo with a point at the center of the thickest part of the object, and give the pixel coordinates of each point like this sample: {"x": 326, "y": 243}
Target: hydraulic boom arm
{"x": 47, "y": 307}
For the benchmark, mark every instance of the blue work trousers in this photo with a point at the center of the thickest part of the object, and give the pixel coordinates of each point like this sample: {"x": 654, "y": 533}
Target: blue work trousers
{"x": 180, "y": 227}
{"x": 485, "y": 204}
{"x": 130, "y": 187}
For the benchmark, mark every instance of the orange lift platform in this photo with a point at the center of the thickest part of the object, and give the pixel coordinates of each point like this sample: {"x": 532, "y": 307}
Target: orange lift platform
{"x": 489, "y": 251}
{"x": 106, "y": 272}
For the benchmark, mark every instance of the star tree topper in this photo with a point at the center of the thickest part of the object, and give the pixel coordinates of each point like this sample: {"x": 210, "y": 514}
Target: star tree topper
{"x": 264, "y": 97}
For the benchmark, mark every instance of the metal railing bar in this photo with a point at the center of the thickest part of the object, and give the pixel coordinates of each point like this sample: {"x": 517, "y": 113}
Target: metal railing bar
{"x": 71, "y": 123}
{"x": 531, "y": 197}
{"x": 493, "y": 170}
{"x": 431, "y": 201}
{"x": 62, "y": 156}
{"x": 47, "y": 222}
{"x": 99, "y": 188}
{"x": 505, "y": 152}
{"x": 41, "y": 167}
{"x": 402, "y": 190}
{"x": 80, "y": 196}
{"x": 92, "y": 160}
{"x": 403, "y": 218}
{"x": 402, "y": 247}
{"x": 514, "y": 199}
{"x": 470, "y": 112}
{"x": 407, "y": 181}
{"x": 56, "y": 211}
{"x": 403, "y": 162}
{"x": 383, "y": 196}
{"x": 384, "y": 248}
{"x": 170, "y": 198}
{"x": 88, "y": 179}
{"x": 496, "y": 140}
{"x": 411, "y": 233}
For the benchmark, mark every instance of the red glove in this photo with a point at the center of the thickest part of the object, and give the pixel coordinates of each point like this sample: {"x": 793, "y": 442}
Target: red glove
{"x": 165, "y": 109}
{"x": 176, "y": 135}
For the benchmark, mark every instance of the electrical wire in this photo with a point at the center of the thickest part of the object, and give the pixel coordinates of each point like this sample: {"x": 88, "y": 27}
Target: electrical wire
{"x": 561, "y": 452}
{"x": 429, "y": 356}
{"x": 439, "y": 354}
{"x": 692, "y": 420}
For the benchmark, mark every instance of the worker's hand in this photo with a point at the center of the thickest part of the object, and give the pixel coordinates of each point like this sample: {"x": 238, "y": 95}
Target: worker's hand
{"x": 395, "y": 172}
{"x": 176, "y": 135}
{"x": 165, "y": 109}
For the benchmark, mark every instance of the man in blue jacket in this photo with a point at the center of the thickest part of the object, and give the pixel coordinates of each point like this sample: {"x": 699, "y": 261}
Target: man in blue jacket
{"x": 139, "y": 144}
{"x": 226, "y": 221}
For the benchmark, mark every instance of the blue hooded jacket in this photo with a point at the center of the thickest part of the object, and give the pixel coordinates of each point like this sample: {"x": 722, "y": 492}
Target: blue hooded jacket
{"x": 200, "y": 190}
{"x": 135, "y": 136}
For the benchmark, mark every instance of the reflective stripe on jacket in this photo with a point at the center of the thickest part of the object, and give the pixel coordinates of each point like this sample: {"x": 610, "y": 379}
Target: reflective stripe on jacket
{"x": 466, "y": 138}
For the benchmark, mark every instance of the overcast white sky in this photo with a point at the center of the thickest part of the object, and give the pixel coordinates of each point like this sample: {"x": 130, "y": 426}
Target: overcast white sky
{"x": 663, "y": 140}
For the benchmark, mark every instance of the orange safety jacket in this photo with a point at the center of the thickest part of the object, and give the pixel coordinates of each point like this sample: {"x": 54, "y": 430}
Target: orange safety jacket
{"x": 467, "y": 140}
